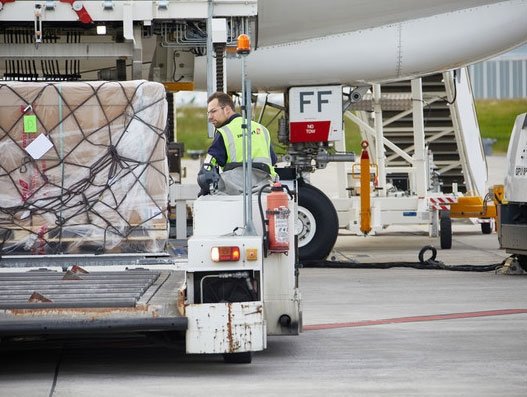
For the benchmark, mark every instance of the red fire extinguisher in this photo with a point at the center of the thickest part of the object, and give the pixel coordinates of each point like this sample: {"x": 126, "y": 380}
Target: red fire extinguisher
{"x": 278, "y": 219}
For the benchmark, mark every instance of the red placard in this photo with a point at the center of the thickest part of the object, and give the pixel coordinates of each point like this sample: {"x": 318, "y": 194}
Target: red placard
{"x": 309, "y": 131}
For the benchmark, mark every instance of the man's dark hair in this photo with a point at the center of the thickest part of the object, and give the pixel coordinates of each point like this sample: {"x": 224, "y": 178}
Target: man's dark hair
{"x": 223, "y": 99}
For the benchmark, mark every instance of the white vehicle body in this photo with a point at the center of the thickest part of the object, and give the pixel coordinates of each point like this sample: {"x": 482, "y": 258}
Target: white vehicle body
{"x": 227, "y": 306}
{"x": 512, "y": 230}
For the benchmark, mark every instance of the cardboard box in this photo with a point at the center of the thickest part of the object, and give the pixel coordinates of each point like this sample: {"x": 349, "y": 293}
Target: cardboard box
{"x": 102, "y": 184}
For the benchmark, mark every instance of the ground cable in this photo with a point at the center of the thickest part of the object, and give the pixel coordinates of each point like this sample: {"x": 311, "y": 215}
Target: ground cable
{"x": 424, "y": 264}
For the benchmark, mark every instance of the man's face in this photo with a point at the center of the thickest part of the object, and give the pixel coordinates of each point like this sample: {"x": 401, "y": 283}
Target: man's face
{"x": 216, "y": 114}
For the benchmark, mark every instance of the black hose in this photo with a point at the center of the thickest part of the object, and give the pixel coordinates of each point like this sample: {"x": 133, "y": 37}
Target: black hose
{"x": 423, "y": 251}
{"x": 423, "y": 264}
{"x": 264, "y": 220}
{"x": 389, "y": 265}
{"x": 291, "y": 193}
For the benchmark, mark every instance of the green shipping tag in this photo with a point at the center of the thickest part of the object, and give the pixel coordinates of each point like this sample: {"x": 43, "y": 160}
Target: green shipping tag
{"x": 30, "y": 124}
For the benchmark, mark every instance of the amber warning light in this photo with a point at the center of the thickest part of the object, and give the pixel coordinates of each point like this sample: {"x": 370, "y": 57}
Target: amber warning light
{"x": 244, "y": 45}
{"x": 225, "y": 254}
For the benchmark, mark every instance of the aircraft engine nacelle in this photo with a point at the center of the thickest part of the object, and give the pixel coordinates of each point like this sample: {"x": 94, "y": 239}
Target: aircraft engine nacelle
{"x": 420, "y": 38}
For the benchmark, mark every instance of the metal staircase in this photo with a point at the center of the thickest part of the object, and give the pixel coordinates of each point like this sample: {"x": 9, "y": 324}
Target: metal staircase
{"x": 447, "y": 128}
{"x": 439, "y": 131}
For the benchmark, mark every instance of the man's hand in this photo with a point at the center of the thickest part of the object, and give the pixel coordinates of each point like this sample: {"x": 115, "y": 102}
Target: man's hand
{"x": 203, "y": 192}
{"x": 208, "y": 178}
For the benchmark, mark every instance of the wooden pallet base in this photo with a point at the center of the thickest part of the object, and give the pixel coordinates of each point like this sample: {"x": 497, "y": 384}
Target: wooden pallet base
{"x": 55, "y": 241}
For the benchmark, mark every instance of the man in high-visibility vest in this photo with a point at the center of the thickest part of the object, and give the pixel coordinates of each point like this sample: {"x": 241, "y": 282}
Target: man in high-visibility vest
{"x": 226, "y": 150}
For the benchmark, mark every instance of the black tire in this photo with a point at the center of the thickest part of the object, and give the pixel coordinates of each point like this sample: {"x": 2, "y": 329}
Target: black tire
{"x": 318, "y": 223}
{"x": 522, "y": 260}
{"x": 445, "y": 225}
{"x": 486, "y": 228}
{"x": 238, "y": 358}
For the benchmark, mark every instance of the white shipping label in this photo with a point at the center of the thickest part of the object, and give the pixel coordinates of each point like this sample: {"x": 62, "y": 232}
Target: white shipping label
{"x": 39, "y": 146}
{"x": 155, "y": 213}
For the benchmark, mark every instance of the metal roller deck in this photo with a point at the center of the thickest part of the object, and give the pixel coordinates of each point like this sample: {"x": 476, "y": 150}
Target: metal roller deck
{"x": 65, "y": 302}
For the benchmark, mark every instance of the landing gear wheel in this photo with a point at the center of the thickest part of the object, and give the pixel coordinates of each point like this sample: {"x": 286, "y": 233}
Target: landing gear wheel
{"x": 522, "y": 260}
{"x": 486, "y": 228}
{"x": 238, "y": 358}
{"x": 445, "y": 225}
{"x": 317, "y": 225}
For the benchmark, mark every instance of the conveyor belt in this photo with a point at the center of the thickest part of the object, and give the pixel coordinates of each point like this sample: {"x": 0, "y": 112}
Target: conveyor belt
{"x": 49, "y": 289}
{"x": 48, "y": 302}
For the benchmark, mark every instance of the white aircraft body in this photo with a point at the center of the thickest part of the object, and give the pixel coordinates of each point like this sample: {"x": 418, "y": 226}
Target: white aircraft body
{"x": 353, "y": 42}
{"x": 298, "y": 42}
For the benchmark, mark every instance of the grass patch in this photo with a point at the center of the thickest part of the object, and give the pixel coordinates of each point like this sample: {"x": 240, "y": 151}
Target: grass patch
{"x": 191, "y": 127}
{"x": 496, "y": 119}
{"x": 192, "y": 130}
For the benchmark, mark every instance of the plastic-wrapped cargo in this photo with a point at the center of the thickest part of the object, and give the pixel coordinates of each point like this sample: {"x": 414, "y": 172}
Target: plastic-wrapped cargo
{"x": 83, "y": 167}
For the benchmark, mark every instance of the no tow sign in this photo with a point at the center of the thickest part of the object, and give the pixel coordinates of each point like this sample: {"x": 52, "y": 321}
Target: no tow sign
{"x": 315, "y": 114}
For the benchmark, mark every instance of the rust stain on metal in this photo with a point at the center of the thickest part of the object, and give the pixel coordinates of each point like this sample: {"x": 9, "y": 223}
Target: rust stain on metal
{"x": 94, "y": 312}
{"x": 78, "y": 269}
{"x": 258, "y": 310}
{"x": 230, "y": 339}
{"x": 181, "y": 301}
{"x": 69, "y": 276}
{"x": 37, "y": 297}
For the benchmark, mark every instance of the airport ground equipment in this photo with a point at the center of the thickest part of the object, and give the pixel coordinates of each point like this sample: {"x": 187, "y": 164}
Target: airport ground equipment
{"x": 511, "y": 198}
{"x": 166, "y": 41}
{"x": 426, "y": 161}
{"x": 86, "y": 186}
{"x": 432, "y": 150}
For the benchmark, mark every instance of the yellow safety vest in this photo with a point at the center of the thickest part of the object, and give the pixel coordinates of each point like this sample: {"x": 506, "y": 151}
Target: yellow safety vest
{"x": 232, "y": 134}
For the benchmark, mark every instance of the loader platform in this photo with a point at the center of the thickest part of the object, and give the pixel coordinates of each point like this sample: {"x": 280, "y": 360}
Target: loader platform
{"x": 45, "y": 302}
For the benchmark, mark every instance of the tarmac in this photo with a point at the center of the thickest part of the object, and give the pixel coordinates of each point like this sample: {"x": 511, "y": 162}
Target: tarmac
{"x": 367, "y": 332}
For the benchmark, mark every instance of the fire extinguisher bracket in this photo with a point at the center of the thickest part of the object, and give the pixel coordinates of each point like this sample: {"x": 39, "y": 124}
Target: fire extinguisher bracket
{"x": 284, "y": 212}
{"x": 278, "y": 219}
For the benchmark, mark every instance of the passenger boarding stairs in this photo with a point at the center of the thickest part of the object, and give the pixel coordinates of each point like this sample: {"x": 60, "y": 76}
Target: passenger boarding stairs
{"x": 451, "y": 132}
{"x": 438, "y": 126}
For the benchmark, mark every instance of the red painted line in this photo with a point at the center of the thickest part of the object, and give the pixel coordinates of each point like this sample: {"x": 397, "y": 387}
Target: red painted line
{"x": 415, "y": 319}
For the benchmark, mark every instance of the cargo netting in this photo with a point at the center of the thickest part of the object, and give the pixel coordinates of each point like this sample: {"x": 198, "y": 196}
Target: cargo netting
{"x": 83, "y": 167}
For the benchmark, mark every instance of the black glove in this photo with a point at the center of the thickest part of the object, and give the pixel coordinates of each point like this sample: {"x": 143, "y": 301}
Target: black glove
{"x": 208, "y": 175}
{"x": 203, "y": 192}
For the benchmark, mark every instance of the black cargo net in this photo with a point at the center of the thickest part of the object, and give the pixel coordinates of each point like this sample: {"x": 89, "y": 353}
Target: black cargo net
{"x": 101, "y": 184}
